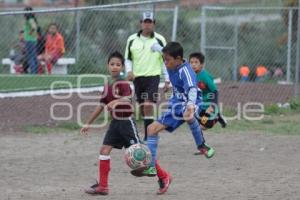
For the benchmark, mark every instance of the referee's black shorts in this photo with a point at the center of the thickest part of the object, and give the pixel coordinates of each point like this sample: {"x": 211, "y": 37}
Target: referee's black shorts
{"x": 146, "y": 88}
{"x": 121, "y": 133}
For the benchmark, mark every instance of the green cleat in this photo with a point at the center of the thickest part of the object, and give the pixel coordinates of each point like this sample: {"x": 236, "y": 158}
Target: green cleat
{"x": 144, "y": 171}
{"x": 151, "y": 171}
{"x": 206, "y": 150}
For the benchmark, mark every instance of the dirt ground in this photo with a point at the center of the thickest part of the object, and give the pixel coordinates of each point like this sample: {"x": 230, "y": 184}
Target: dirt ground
{"x": 60, "y": 165}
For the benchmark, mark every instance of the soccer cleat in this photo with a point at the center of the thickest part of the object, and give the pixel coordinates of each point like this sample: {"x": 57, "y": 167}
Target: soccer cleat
{"x": 151, "y": 171}
{"x": 206, "y": 150}
{"x": 95, "y": 185}
{"x": 96, "y": 189}
{"x": 144, "y": 171}
{"x": 164, "y": 184}
{"x": 138, "y": 172}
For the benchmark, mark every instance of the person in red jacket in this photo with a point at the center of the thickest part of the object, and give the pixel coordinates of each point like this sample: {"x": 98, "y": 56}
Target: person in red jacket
{"x": 54, "y": 47}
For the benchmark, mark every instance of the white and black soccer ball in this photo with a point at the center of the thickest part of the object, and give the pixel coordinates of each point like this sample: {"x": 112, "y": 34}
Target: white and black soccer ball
{"x": 137, "y": 156}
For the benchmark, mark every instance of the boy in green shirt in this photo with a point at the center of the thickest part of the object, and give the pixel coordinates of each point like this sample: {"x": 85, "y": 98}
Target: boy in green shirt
{"x": 210, "y": 113}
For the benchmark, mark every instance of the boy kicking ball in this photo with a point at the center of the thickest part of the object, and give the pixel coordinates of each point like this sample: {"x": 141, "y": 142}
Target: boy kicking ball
{"x": 183, "y": 107}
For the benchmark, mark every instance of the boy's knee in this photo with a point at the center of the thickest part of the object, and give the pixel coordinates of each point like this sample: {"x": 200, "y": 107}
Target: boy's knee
{"x": 104, "y": 151}
{"x": 152, "y": 129}
{"x": 189, "y": 121}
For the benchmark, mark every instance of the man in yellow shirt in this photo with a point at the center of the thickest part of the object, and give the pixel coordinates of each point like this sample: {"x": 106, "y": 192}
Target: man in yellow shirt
{"x": 144, "y": 65}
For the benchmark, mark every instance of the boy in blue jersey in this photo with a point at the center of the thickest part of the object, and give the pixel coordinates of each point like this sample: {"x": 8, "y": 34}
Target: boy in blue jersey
{"x": 183, "y": 106}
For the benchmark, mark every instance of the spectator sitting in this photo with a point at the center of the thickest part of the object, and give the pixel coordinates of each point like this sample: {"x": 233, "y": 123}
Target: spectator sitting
{"x": 261, "y": 73}
{"x": 18, "y": 54}
{"x": 244, "y": 73}
{"x": 54, "y": 47}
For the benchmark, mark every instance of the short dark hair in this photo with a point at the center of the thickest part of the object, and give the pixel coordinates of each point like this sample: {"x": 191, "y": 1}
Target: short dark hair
{"x": 174, "y": 49}
{"x": 199, "y": 56}
{"x": 116, "y": 54}
{"x": 29, "y": 15}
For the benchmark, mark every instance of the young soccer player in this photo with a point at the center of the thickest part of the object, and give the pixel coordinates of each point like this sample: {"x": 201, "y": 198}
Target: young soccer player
{"x": 122, "y": 131}
{"x": 182, "y": 108}
{"x": 209, "y": 114}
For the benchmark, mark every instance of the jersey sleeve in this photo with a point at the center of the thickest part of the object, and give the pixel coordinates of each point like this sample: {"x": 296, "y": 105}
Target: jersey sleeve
{"x": 188, "y": 78}
{"x": 103, "y": 97}
{"x": 127, "y": 50}
{"x": 129, "y": 42}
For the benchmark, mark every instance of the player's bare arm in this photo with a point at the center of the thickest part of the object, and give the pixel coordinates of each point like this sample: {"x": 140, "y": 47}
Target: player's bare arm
{"x": 98, "y": 110}
{"x": 189, "y": 112}
{"x": 130, "y": 76}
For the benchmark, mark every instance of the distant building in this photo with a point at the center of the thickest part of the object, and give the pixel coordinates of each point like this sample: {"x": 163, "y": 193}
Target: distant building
{"x": 40, "y": 3}
{"x": 193, "y": 3}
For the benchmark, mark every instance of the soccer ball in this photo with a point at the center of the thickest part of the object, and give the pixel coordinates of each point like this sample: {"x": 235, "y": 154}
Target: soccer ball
{"x": 137, "y": 156}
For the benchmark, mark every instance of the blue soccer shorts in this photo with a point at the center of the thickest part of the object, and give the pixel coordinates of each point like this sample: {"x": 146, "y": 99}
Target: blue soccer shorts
{"x": 173, "y": 117}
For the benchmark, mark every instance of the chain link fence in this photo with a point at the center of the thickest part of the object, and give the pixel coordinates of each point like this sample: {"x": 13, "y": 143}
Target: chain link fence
{"x": 260, "y": 36}
{"x": 229, "y": 38}
{"x": 89, "y": 34}
{"x": 233, "y": 37}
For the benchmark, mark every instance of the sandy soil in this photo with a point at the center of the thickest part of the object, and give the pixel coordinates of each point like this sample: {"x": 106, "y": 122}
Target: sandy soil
{"x": 60, "y": 165}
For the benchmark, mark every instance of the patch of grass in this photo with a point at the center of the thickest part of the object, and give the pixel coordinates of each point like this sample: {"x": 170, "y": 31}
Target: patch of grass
{"x": 15, "y": 83}
{"x": 283, "y": 124}
{"x": 37, "y": 129}
{"x": 69, "y": 126}
{"x": 229, "y": 112}
{"x": 43, "y": 129}
{"x": 273, "y": 109}
{"x": 295, "y": 104}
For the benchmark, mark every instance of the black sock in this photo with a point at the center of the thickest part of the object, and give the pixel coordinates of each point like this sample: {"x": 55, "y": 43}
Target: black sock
{"x": 221, "y": 121}
{"x": 147, "y": 122}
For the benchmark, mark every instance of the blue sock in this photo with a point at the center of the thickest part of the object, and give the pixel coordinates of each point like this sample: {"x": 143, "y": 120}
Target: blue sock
{"x": 152, "y": 143}
{"x": 196, "y": 132}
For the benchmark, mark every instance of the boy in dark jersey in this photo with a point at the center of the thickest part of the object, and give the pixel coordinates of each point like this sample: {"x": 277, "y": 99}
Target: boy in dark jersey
{"x": 210, "y": 113}
{"x": 122, "y": 131}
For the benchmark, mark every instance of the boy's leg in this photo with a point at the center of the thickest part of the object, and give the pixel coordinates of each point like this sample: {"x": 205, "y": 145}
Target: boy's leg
{"x": 153, "y": 138}
{"x": 49, "y": 67}
{"x": 152, "y": 143}
{"x": 164, "y": 179}
{"x": 148, "y": 116}
{"x": 101, "y": 187}
{"x": 198, "y": 134}
{"x": 104, "y": 165}
{"x": 222, "y": 121}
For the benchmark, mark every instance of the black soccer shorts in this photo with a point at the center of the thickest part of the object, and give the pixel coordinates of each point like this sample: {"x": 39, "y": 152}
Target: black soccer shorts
{"x": 146, "y": 88}
{"x": 121, "y": 133}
